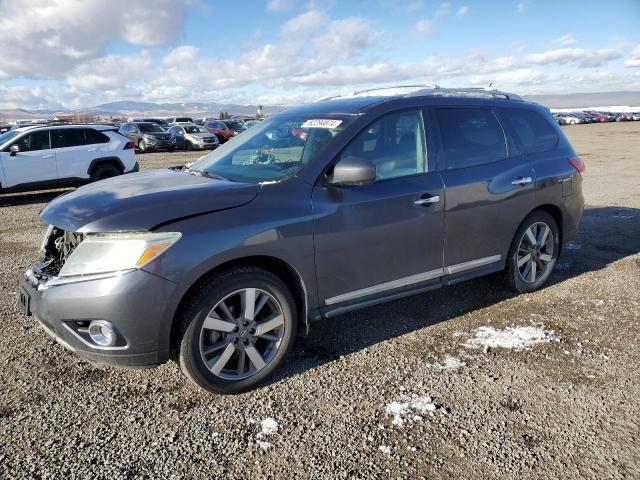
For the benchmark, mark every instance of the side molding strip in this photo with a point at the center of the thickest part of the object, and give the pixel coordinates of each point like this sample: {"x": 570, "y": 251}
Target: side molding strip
{"x": 413, "y": 279}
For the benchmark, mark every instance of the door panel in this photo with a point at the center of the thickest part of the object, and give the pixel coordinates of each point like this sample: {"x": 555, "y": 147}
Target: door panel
{"x": 72, "y": 154}
{"x": 35, "y": 163}
{"x": 484, "y": 209}
{"x": 374, "y": 234}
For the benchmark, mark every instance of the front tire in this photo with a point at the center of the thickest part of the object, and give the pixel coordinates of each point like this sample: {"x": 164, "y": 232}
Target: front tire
{"x": 235, "y": 330}
{"x": 533, "y": 253}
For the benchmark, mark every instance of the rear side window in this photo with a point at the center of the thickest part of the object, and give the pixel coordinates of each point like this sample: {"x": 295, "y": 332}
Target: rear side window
{"x": 531, "y": 130}
{"x": 70, "y": 137}
{"x": 394, "y": 144}
{"x": 94, "y": 136}
{"x": 468, "y": 137}
{"x": 34, "y": 141}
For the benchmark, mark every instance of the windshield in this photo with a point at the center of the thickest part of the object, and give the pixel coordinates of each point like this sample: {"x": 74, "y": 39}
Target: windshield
{"x": 275, "y": 149}
{"x": 235, "y": 124}
{"x": 150, "y": 127}
{"x": 194, "y": 129}
{"x": 6, "y": 136}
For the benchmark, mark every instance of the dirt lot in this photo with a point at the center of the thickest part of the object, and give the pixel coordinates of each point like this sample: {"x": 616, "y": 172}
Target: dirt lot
{"x": 394, "y": 391}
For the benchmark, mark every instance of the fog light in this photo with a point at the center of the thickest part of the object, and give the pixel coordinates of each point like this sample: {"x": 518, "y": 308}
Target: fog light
{"x": 102, "y": 333}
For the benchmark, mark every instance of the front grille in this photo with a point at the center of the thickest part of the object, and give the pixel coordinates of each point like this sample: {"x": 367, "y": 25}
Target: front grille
{"x": 57, "y": 247}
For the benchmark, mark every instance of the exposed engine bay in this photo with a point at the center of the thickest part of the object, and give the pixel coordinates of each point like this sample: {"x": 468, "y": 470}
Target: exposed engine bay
{"x": 57, "y": 247}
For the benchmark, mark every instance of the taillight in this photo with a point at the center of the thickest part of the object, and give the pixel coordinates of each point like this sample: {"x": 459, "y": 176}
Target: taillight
{"x": 129, "y": 146}
{"x": 577, "y": 163}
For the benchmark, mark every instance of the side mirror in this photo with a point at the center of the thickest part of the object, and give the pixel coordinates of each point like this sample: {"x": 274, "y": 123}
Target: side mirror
{"x": 353, "y": 171}
{"x": 14, "y": 150}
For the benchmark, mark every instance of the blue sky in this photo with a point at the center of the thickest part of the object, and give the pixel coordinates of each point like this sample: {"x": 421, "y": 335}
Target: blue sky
{"x": 80, "y": 53}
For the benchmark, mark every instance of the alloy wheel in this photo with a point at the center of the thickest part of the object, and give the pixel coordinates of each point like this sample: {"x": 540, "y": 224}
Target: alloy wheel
{"x": 535, "y": 252}
{"x": 241, "y": 334}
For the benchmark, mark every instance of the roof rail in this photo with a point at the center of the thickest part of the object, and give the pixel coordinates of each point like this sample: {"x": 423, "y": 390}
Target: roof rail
{"x": 425, "y": 90}
{"x": 468, "y": 92}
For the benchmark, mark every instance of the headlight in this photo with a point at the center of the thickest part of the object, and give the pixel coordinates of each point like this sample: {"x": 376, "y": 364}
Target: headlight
{"x": 112, "y": 252}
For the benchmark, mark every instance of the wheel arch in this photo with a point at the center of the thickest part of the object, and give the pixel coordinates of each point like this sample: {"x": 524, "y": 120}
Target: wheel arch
{"x": 278, "y": 267}
{"x": 115, "y": 161}
{"x": 555, "y": 212}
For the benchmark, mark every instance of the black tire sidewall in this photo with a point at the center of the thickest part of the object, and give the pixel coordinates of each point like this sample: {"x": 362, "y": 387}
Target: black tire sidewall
{"x": 515, "y": 280}
{"x": 195, "y": 314}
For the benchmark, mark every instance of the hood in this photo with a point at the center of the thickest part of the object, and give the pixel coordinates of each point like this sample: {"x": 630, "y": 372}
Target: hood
{"x": 141, "y": 201}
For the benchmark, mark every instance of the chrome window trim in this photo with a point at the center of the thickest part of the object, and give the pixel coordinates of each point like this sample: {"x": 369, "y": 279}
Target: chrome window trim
{"x": 413, "y": 279}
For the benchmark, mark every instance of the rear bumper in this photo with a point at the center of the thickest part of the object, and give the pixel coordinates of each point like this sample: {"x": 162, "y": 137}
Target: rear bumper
{"x": 135, "y": 303}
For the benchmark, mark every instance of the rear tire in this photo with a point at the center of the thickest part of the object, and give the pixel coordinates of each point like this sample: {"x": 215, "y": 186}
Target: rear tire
{"x": 236, "y": 350}
{"x": 104, "y": 170}
{"x": 533, "y": 253}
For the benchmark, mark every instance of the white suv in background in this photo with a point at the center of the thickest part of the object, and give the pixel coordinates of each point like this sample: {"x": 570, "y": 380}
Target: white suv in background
{"x": 35, "y": 158}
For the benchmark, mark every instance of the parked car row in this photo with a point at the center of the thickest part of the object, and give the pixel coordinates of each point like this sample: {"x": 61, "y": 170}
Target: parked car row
{"x": 592, "y": 116}
{"x": 181, "y": 133}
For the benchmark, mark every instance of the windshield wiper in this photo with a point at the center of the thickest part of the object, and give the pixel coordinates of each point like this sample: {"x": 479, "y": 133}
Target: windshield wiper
{"x": 205, "y": 173}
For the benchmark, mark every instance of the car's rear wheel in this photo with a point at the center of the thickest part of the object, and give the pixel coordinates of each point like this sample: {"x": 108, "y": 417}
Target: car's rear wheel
{"x": 235, "y": 330}
{"x": 533, "y": 253}
{"x": 104, "y": 170}
{"x": 142, "y": 147}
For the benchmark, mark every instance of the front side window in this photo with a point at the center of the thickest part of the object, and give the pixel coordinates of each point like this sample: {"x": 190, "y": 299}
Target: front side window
{"x": 274, "y": 150}
{"x": 469, "y": 137}
{"x": 34, "y": 141}
{"x": 532, "y": 131}
{"x": 395, "y": 144}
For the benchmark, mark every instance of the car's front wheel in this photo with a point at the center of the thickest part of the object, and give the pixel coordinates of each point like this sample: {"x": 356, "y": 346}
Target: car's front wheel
{"x": 235, "y": 330}
{"x": 533, "y": 253}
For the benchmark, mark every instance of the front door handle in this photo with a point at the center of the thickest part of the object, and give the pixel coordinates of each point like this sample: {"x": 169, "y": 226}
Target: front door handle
{"x": 48, "y": 156}
{"x": 522, "y": 181}
{"x": 424, "y": 202}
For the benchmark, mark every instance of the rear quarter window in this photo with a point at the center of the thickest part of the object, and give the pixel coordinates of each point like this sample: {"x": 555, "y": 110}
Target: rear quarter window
{"x": 94, "y": 136}
{"x": 531, "y": 130}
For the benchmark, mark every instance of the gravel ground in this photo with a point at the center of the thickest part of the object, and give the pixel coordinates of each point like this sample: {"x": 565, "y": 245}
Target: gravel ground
{"x": 409, "y": 389}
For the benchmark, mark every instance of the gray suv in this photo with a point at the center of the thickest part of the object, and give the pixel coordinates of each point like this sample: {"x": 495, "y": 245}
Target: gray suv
{"x": 316, "y": 211}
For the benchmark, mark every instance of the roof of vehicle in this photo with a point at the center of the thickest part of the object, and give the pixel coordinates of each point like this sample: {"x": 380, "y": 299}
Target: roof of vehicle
{"x": 364, "y": 100}
{"x": 94, "y": 126}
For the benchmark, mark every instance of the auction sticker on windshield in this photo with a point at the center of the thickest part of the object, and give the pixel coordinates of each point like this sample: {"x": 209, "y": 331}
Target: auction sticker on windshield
{"x": 321, "y": 123}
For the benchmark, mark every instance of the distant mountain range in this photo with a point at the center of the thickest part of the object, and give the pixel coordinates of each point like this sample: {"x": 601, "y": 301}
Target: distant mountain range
{"x": 200, "y": 109}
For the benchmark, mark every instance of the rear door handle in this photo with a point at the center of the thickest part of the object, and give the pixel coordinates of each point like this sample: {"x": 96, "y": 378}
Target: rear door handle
{"x": 522, "y": 181}
{"x": 425, "y": 202}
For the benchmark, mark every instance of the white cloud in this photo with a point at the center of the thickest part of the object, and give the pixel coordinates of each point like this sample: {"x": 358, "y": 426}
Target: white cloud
{"x": 443, "y": 10}
{"x": 634, "y": 59}
{"x": 413, "y": 5}
{"x": 279, "y": 5}
{"x": 565, "y": 40}
{"x": 521, "y": 7}
{"x": 579, "y": 57}
{"x": 462, "y": 11}
{"x": 422, "y": 28}
{"x": 47, "y": 38}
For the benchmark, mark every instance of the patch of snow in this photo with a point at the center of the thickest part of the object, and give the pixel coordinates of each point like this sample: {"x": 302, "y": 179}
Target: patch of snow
{"x": 596, "y": 302}
{"x": 407, "y": 408}
{"x": 269, "y": 426}
{"x": 385, "y": 449}
{"x": 450, "y": 363}
{"x": 515, "y": 338}
{"x": 572, "y": 246}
